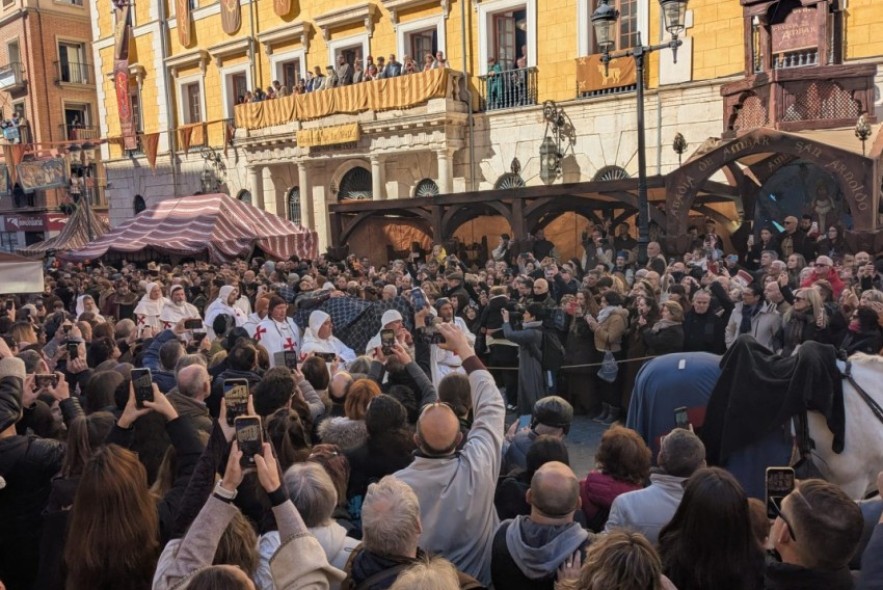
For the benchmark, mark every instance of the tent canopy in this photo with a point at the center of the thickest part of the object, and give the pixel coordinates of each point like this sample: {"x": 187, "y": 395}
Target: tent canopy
{"x": 20, "y": 275}
{"x": 74, "y": 235}
{"x": 214, "y": 226}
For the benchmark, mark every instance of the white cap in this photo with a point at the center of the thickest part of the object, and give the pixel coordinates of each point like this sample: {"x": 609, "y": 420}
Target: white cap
{"x": 389, "y": 316}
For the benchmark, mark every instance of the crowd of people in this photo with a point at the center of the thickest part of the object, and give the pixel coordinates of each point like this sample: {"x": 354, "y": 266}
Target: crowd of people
{"x": 406, "y": 423}
{"x": 344, "y": 73}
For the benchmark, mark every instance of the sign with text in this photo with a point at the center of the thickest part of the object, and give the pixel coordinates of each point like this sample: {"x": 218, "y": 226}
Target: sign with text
{"x": 328, "y": 135}
{"x": 798, "y": 31}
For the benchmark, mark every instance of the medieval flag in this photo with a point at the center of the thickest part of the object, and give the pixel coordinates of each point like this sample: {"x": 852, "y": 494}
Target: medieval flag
{"x": 151, "y": 146}
{"x": 231, "y": 16}
{"x": 282, "y": 7}
{"x": 184, "y": 21}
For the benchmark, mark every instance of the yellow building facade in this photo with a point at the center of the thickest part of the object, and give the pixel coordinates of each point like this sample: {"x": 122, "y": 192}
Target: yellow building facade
{"x": 474, "y": 133}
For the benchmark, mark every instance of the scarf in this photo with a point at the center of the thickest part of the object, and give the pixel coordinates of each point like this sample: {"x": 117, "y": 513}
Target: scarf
{"x": 606, "y": 312}
{"x": 747, "y": 316}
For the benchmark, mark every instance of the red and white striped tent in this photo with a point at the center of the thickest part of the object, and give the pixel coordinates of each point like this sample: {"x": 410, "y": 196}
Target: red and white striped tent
{"x": 215, "y": 226}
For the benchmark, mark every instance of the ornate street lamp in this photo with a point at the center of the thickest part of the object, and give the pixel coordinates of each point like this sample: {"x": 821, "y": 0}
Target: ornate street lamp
{"x": 550, "y": 149}
{"x": 863, "y": 130}
{"x": 604, "y": 22}
{"x": 679, "y": 146}
{"x": 86, "y": 153}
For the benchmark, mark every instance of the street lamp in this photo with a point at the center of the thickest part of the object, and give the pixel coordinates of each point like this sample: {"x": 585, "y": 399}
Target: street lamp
{"x": 604, "y": 22}
{"x": 86, "y": 154}
{"x": 863, "y": 130}
{"x": 550, "y": 149}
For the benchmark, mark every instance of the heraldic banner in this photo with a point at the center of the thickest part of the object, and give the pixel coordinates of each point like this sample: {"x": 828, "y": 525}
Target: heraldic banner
{"x": 231, "y": 16}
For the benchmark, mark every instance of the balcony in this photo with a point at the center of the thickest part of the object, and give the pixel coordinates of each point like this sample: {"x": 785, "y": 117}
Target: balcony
{"x": 74, "y": 73}
{"x": 796, "y": 96}
{"x": 12, "y": 77}
{"x": 35, "y": 202}
{"x": 508, "y": 89}
{"x": 79, "y": 132}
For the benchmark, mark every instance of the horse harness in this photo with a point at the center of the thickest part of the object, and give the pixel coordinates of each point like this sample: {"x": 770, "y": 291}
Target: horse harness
{"x": 875, "y": 407}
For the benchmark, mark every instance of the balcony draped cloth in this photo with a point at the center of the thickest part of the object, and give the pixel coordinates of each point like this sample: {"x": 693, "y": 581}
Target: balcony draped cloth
{"x": 376, "y": 95}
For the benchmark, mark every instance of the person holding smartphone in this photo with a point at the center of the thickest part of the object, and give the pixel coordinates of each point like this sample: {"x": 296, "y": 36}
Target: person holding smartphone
{"x": 278, "y": 332}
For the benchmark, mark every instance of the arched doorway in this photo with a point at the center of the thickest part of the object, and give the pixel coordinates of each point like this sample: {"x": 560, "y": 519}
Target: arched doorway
{"x": 355, "y": 184}
{"x": 138, "y": 204}
{"x": 293, "y": 197}
{"x": 244, "y": 196}
{"x": 801, "y": 188}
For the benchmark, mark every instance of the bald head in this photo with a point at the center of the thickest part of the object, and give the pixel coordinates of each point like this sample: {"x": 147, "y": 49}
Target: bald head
{"x": 554, "y": 492}
{"x": 541, "y": 286}
{"x": 438, "y": 430}
{"x": 194, "y": 382}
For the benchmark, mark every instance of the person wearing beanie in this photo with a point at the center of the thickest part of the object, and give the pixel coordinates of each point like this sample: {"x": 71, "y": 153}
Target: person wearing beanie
{"x": 390, "y": 320}
{"x": 27, "y": 466}
{"x": 319, "y": 337}
{"x": 277, "y": 332}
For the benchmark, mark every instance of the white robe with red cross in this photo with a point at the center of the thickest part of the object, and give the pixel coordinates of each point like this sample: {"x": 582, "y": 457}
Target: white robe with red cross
{"x": 277, "y": 336}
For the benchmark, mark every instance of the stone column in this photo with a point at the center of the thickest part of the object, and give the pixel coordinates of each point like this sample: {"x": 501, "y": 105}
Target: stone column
{"x": 256, "y": 185}
{"x": 378, "y": 180}
{"x": 307, "y": 218}
{"x": 445, "y": 171}
{"x": 271, "y": 192}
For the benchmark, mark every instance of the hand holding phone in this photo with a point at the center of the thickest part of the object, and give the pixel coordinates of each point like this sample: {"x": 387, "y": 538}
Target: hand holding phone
{"x": 73, "y": 350}
{"x": 193, "y": 324}
{"x": 250, "y": 438}
{"x": 235, "y": 399}
{"x": 780, "y": 482}
{"x": 387, "y": 341}
{"x": 682, "y": 420}
{"x": 142, "y": 382}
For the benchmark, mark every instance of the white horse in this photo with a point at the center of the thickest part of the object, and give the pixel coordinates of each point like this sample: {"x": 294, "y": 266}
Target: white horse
{"x": 856, "y": 468}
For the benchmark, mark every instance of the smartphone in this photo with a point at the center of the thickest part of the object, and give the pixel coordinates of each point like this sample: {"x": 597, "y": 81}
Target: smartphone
{"x": 250, "y": 437}
{"x": 418, "y": 298}
{"x": 198, "y": 336}
{"x": 779, "y": 483}
{"x": 329, "y": 357}
{"x": 681, "y": 419}
{"x": 42, "y": 380}
{"x": 193, "y": 324}
{"x": 285, "y": 358}
{"x": 236, "y": 398}
{"x": 73, "y": 350}
{"x": 387, "y": 341}
{"x": 142, "y": 383}
{"x": 9, "y": 304}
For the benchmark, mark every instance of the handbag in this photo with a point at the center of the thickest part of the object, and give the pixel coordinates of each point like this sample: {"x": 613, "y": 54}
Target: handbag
{"x": 609, "y": 367}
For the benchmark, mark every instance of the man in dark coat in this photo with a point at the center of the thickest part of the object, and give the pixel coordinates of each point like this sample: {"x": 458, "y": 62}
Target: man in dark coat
{"x": 704, "y": 330}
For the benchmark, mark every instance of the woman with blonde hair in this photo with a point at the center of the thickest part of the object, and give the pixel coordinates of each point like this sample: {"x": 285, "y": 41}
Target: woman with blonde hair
{"x": 23, "y": 334}
{"x": 619, "y": 559}
{"x": 350, "y": 432}
{"x": 806, "y": 320}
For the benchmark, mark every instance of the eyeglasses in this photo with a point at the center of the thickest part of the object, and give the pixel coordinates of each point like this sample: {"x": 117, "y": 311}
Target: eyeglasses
{"x": 821, "y": 265}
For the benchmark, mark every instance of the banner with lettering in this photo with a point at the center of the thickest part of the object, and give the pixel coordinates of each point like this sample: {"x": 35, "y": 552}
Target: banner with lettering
{"x": 124, "y": 104}
{"x": 348, "y": 133}
{"x": 231, "y": 16}
{"x": 36, "y": 175}
{"x": 282, "y": 7}
{"x": 592, "y": 74}
{"x": 798, "y": 31}
{"x": 185, "y": 24}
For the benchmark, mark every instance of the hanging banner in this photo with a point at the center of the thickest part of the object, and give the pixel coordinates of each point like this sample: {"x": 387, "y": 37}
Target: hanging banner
{"x": 592, "y": 74}
{"x": 13, "y": 154}
{"x": 4, "y": 181}
{"x": 38, "y": 175}
{"x": 318, "y": 136}
{"x": 121, "y": 31}
{"x": 124, "y": 103}
{"x": 282, "y": 7}
{"x": 184, "y": 136}
{"x": 231, "y": 16}
{"x": 151, "y": 146}
{"x": 184, "y": 21}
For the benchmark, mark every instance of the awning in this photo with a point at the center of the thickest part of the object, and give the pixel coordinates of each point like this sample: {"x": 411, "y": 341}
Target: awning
{"x": 20, "y": 275}
{"x": 74, "y": 235}
{"x": 216, "y": 227}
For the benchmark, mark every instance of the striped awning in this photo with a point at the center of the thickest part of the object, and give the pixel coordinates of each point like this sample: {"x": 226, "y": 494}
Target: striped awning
{"x": 74, "y": 235}
{"x": 215, "y": 226}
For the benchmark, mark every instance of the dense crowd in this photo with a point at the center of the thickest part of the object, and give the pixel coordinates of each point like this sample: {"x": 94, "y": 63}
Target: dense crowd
{"x": 333, "y": 424}
{"x": 344, "y": 73}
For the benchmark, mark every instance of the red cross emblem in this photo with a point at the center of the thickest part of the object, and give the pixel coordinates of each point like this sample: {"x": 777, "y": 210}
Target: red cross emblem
{"x": 142, "y": 319}
{"x": 259, "y": 331}
{"x": 166, "y": 325}
{"x": 289, "y": 344}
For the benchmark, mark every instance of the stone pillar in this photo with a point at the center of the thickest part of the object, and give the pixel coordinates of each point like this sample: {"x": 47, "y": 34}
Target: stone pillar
{"x": 307, "y": 218}
{"x": 271, "y": 192}
{"x": 378, "y": 180}
{"x": 256, "y": 185}
{"x": 445, "y": 171}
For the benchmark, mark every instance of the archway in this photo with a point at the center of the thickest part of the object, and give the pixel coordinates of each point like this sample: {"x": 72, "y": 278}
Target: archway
{"x": 294, "y": 214}
{"x": 244, "y": 196}
{"x": 388, "y": 238}
{"x": 355, "y": 184}
{"x": 801, "y": 188}
{"x": 138, "y": 204}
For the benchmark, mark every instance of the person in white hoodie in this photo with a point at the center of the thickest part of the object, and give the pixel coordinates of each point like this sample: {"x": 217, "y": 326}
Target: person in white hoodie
{"x": 319, "y": 337}
{"x": 177, "y": 309}
{"x": 150, "y": 307}
{"x": 443, "y": 361}
{"x": 646, "y": 511}
{"x": 224, "y": 304}
{"x": 314, "y": 495}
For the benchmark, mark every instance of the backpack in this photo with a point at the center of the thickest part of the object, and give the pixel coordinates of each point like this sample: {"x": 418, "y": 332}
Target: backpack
{"x": 552, "y": 351}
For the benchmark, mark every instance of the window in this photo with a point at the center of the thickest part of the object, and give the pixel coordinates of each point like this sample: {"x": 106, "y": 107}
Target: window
{"x": 192, "y": 99}
{"x": 14, "y": 52}
{"x": 507, "y": 32}
{"x": 351, "y": 54}
{"x": 503, "y": 41}
{"x": 8, "y": 240}
{"x": 244, "y": 196}
{"x": 239, "y": 82}
{"x": 352, "y": 48}
{"x": 77, "y": 121}
{"x": 289, "y": 73}
{"x": 294, "y": 205}
{"x": 138, "y": 204}
{"x": 356, "y": 184}
{"x": 422, "y": 42}
{"x": 72, "y": 63}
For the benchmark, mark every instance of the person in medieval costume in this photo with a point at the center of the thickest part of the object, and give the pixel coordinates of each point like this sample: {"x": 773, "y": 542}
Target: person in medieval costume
{"x": 177, "y": 309}
{"x": 261, "y": 309}
{"x": 278, "y": 332}
{"x": 444, "y": 362}
{"x": 149, "y": 309}
{"x": 86, "y": 304}
{"x": 224, "y": 304}
{"x": 319, "y": 338}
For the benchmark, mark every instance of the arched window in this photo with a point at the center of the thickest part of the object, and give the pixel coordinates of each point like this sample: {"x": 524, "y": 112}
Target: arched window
{"x": 610, "y": 173}
{"x": 509, "y": 180}
{"x": 138, "y": 204}
{"x": 294, "y": 205}
{"x": 426, "y": 188}
{"x": 244, "y": 196}
{"x": 355, "y": 184}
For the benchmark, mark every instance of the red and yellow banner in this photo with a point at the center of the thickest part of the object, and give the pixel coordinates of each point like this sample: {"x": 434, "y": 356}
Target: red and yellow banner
{"x": 231, "y": 16}
{"x": 124, "y": 103}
